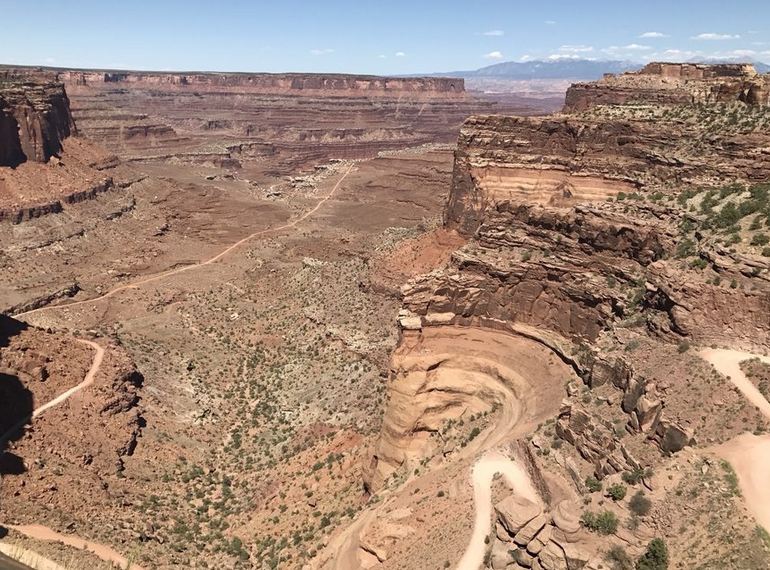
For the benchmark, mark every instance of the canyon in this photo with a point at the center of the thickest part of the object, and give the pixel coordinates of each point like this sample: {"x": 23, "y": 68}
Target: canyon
{"x": 301, "y": 320}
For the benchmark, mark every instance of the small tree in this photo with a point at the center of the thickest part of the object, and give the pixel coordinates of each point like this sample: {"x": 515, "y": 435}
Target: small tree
{"x": 593, "y": 485}
{"x": 640, "y": 505}
{"x": 617, "y": 492}
{"x": 655, "y": 557}
{"x": 604, "y": 522}
{"x": 619, "y": 559}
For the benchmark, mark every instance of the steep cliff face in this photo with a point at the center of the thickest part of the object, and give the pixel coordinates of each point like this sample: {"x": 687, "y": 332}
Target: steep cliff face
{"x": 563, "y": 160}
{"x": 296, "y": 83}
{"x": 34, "y": 120}
{"x": 591, "y": 232}
{"x": 673, "y": 84}
{"x": 542, "y": 266}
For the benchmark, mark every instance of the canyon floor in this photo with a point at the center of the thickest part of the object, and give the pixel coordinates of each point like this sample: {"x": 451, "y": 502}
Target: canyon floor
{"x": 246, "y": 328}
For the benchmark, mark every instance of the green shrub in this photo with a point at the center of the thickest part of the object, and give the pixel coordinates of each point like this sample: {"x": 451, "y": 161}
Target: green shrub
{"x": 685, "y": 248}
{"x": 593, "y": 485}
{"x": 760, "y": 239}
{"x": 605, "y": 522}
{"x": 619, "y": 559}
{"x": 731, "y": 478}
{"x": 655, "y": 557}
{"x": 633, "y": 477}
{"x": 639, "y": 504}
{"x": 617, "y": 492}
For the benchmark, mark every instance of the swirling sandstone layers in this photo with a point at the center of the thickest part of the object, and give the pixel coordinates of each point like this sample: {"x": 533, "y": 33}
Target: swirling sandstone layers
{"x": 450, "y": 373}
{"x": 548, "y": 251}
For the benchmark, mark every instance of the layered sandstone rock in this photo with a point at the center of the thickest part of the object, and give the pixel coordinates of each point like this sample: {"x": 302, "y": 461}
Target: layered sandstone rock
{"x": 673, "y": 84}
{"x": 563, "y": 160}
{"x": 296, "y": 83}
{"x": 34, "y": 119}
{"x": 447, "y": 374}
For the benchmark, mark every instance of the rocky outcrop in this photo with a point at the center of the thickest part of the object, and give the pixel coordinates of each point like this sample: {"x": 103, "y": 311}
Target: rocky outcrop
{"x": 528, "y": 537}
{"x": 444, "y": 376}
{"x": 564, "y": 160}
{"x": 296, "y": 83}
{"x": 542, "y": 266}
{"x": 34, "y": 119}
{"x": 673, "y": 84}
{"x": 595, "y": 440}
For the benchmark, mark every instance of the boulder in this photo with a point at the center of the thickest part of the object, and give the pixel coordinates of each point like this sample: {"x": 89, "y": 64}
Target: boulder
{"x": 523, "y": 558}
{"x": 501, "y": 555}
{"x": 515, "y": 511}
{"x": 575, "y": 556}
{"x": 566, "y": 517}
{"x": 648, "y": 410}
{"x": 530, "y": 530}
{"x": 552, "y": 557}
{"x": 675, "y": 437}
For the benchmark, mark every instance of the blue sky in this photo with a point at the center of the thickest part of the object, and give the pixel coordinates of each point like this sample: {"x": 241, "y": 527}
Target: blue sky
{"x": 382, "y": 37}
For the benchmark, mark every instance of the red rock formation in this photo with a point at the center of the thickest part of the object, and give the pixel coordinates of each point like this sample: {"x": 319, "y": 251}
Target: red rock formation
{"x": 34, "y": 119}
{"x": 295, "y": 83}
{"x": 673, "y": 84}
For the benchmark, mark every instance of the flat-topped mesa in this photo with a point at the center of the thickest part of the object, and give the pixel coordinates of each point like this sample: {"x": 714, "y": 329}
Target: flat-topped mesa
{"x": 673, "y": 84}
{"x": 698, "y": 70}
{"x": 272, "y": 83}
{"x": 34, "y": 119}
{"x": 555, "y": 160}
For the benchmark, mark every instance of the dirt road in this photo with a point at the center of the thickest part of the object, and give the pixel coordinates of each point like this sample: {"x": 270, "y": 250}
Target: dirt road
{"x": 104, "y": 552}
{"x": 482, "y": 476}
{"x": 728, "y": 362}
{"x": 87, "y": 381}
{"x": 177, "y": 271}
{"x": 748, "y": 454}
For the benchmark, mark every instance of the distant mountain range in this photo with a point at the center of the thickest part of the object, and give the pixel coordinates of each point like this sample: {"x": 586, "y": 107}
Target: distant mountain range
{"x": 553, "y": 69}
{"x": 572, "y": 69}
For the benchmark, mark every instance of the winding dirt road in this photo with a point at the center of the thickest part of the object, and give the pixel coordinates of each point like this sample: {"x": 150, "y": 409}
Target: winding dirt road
{"x": 728, "y": 363}
{"x": 748, "y": 454}
{"x": 87, "y": 381}
{"x": 177, "y": 271}
{"x": 483, "y": 475}
{"x": 102, "y": 551}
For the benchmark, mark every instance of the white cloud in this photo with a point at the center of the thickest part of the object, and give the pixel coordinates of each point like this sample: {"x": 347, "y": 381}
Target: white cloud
{"x": 742, "y": 53}
{"x": 713, "y": 36}
{"x": 676, "y": 54}
{"x": 635, "y": 47}
{"x": 324, "y": 51}
{"x": 400, "y": 54}
{"x": 526, "y": 57}
{"x": 495, "y": 33}
{"x": 576, "y": 49}
{"x": 653, "y": 35}
{"x": 550, "y": 22}
{"x": 493, "y": 55}
{"x": 567, "y": 56}
{"x": 382, "y": 56}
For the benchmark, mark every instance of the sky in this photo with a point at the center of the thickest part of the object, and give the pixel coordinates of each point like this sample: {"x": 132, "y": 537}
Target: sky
{"x": 378, "y": 37}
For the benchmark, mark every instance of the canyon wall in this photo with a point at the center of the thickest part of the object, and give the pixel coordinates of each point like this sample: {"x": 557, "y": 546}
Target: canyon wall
{"x": 562, "y": 160}
{"x": 275, "y": 83}
{"x": 577, "y": 234}
{"x": 34, "y": 119}
{"x": 673, "y": 84}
